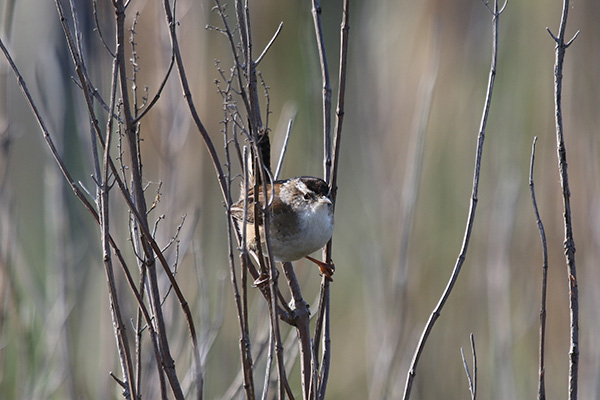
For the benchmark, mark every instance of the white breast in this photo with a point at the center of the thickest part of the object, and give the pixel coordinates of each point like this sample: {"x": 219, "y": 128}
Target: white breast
{"x": 315, "y": 230}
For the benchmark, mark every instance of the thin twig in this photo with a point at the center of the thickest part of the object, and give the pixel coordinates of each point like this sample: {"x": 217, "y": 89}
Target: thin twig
{"x": 266, "y": 152}
{"x": 542, "y": 348}
{"x": 241, "y": 301}
{"x": 301, "y": 321}
{"x": 569, "y": 243}
{"x": 249, "y": 94}
{"x": 330, "y": 164}
{"x": 265, "y": 392}
{"x": 147, "y": 107}
{"x": 326, "y": 358}
{"x": 234, "y": 52}
{"x": 254, "y": 115}
{"x": 323, "y": 299}
{"x": 473, "y": 380}
{"x": 466, "y": 366}
{"x": 283, "y": 149}
{"x": 316, "y": 12}
{"x": 131, "y": 134}
{"x": 134, "y": 64}
{"x": 262, "y": 174}
{"x": 103, "y": 206}
{"x": 326, "y": 96}
{"x": 99, "y": 30}
{"x": 272, "y": 271}
{"x": 340, "y": 108}
{"x": 262, "y": 170}
{"x": 268, "y": 46}
{"x": 471, "y": 217}
{"x": 187, "y": 94}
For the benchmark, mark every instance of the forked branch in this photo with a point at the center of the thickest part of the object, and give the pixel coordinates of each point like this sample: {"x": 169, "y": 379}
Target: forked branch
{"x": 569, "y": 243}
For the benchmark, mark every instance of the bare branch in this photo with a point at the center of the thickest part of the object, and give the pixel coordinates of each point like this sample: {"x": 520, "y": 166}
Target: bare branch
{"x": 283, "y": 149}
{"x": 132, "y": 137}
{"x": 472, "y": 337}
{"x": 471, "y": 379}
{"x": 78, "y": 193}
{"x": 466, "y": 366}
{"x": 238, "y": 64}
{"x": 330, "y": 164}
{"x": 188, "y": 96}
{"x": 147, "y": 107}
{"x": 552, "y": 34}
{"x": 301, "y": 322}
{"x": 542, "y": 345}
{"x": 340, "y": 109}
{"x": 569, "y": 244}
{"x": 262, "y": 55}
{"x": 99, "y": 30}
{"x": 241, "y": 300}
{"x": 316, "y": 12}
{"x": 572, "y": 39}
{"x": 265, "y": 391}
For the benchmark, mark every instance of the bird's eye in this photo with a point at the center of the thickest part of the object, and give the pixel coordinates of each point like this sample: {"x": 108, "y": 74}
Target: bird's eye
{"x": 308, "y": 196}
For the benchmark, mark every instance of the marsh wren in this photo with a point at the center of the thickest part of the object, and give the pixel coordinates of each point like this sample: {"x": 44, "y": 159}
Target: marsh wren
{"x": 301, "y": 220}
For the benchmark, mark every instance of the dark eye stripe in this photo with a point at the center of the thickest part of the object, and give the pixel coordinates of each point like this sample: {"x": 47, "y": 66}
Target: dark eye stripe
{"x": 309, "y": 196}
{"x": 317, "y": 185}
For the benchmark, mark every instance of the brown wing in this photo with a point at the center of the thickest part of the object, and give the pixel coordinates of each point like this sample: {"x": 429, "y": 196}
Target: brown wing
{"x": 237, "y": 209}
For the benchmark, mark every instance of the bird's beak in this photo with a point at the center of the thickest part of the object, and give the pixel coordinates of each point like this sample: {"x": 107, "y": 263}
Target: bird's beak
{"x": 326, "y": 200}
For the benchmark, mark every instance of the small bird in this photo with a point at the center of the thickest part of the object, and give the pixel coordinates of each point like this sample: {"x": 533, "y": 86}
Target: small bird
{"x": 301, "y": 220}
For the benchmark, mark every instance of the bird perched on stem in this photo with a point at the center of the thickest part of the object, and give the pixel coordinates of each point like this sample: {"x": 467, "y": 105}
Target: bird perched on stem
{"x": 301, "y": 220}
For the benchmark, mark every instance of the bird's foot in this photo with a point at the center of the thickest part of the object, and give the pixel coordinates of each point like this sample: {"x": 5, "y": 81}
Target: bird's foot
{"x": 261, "y": 280}
{"x": 326, "y": 269}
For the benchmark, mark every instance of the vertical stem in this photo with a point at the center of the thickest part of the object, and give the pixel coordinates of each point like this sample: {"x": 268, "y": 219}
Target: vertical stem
{"x": 569, "y": 243}
{"x": 316, "y": 12}
{"x": 119, "y": 327}
{"x": 301, "y": 322}
{"x": 319, "y": 380}
{"x": 340, "y": 109}
{"x": 104, "y": 189}
{"x": 474, "y": 387}
{"x": 541, "y": 375}
{"x": 140, "y": 204}
{"x": 241, "y": 300}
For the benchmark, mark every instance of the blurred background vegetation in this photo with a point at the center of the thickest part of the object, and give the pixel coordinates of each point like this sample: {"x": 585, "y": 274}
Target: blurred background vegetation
{"x": 56, "y": 335}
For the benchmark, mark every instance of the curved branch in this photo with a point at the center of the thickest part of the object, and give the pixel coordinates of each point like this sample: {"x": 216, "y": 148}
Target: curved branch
{"x": 542, "y": 367}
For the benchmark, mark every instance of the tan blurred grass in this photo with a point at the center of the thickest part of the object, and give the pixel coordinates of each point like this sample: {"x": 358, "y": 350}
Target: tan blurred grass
{"x": 497, "y": 296}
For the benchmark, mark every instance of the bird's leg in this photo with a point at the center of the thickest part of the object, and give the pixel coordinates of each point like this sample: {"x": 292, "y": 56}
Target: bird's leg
{"x": 263, "y": 272}
{"x": 264, "y": 277}
{"x": 326, "y": 269}
{"x": 261, "y": 280}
